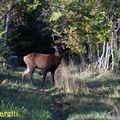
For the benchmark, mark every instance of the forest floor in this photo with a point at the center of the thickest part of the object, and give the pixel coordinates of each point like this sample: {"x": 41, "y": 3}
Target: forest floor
{"x": 96, "y": 100}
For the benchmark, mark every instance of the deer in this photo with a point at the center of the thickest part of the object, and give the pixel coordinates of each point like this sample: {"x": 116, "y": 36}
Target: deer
{"x": 45, "y": 62}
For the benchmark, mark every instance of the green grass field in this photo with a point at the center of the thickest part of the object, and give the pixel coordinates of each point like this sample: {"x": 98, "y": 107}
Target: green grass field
{"x": 95, "y": 99}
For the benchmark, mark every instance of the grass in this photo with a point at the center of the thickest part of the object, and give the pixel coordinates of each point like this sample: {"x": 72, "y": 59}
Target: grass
{"x": 28, "y": 105}
{"x": 90, "y": 95}
{"x": 26, "y": 101}
{"x": 87, "y": 95}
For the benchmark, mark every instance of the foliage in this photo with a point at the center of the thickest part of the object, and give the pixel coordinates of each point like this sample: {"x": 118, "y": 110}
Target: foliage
{"x": 73, "y": 21}
{"x": 4, "y": 50}
{"x": 1, "y": 39}
{"x": 26, "y": 27}
{"x": 81, "y": 24}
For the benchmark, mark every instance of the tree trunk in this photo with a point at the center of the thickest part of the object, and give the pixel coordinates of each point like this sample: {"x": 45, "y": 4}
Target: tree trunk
{"x": 109, "y": 57}
{"x": 112, "y": 52}
{"x": 101, "y": 60}
{"x": 7, "y": 27}
{"x": 90, "y": 54}
{"x": 106, "y": 64}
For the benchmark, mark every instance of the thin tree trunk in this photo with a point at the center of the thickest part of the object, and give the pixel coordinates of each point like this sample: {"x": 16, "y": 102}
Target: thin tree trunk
{"x": 90, "y": 55}
{"x": 7, "y": 27}
{"x": 106, "y": 64}
{"x": 108, "y": 57}
{"x": 114, "y": 48}
{"x": 101, "y": 60}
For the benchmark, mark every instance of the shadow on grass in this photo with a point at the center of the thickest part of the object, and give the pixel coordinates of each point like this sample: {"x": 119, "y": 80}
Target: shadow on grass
{"x": 37, "y": 79}
{"x": 106, "y": 83}
{"x": 86, "y": 108}
{"x": 31, "y": 105}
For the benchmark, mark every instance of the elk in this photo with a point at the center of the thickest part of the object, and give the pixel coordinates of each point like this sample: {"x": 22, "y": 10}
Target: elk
{"x": 45, "y": 62}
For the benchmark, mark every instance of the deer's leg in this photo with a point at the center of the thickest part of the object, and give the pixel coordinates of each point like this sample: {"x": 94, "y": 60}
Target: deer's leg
{"x": 44, "y": 76}
{"x": 29, "y": 71}
{"x": 31, "y": 75}
{"x": 25, "y": 73}
{"x": 52, "y": 75}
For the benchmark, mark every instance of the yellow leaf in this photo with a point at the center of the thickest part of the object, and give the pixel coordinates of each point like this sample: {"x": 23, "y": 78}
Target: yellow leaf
{"x": 55, "y": 16}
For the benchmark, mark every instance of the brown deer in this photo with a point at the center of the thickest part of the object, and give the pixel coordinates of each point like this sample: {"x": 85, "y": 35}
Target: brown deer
{"x": 45, "y": 62}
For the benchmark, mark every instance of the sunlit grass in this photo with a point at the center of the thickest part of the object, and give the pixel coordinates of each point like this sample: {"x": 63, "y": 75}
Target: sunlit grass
{"x": 24, "y": 99}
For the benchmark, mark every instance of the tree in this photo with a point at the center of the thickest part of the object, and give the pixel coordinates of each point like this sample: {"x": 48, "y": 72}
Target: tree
{"x": 84, "y": 26}
{"x": 26, "y": 27}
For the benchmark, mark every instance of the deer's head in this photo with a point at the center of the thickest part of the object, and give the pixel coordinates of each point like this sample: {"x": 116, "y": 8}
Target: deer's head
{"x": 60, "y": 48}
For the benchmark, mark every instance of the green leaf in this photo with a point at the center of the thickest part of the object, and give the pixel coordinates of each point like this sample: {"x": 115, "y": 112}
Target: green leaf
{"x": 1, "y": 34}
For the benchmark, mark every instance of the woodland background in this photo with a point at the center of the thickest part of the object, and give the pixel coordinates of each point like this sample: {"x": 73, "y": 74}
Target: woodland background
{"x": 87, "y": 82}
{"x": 89, "y": 28}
